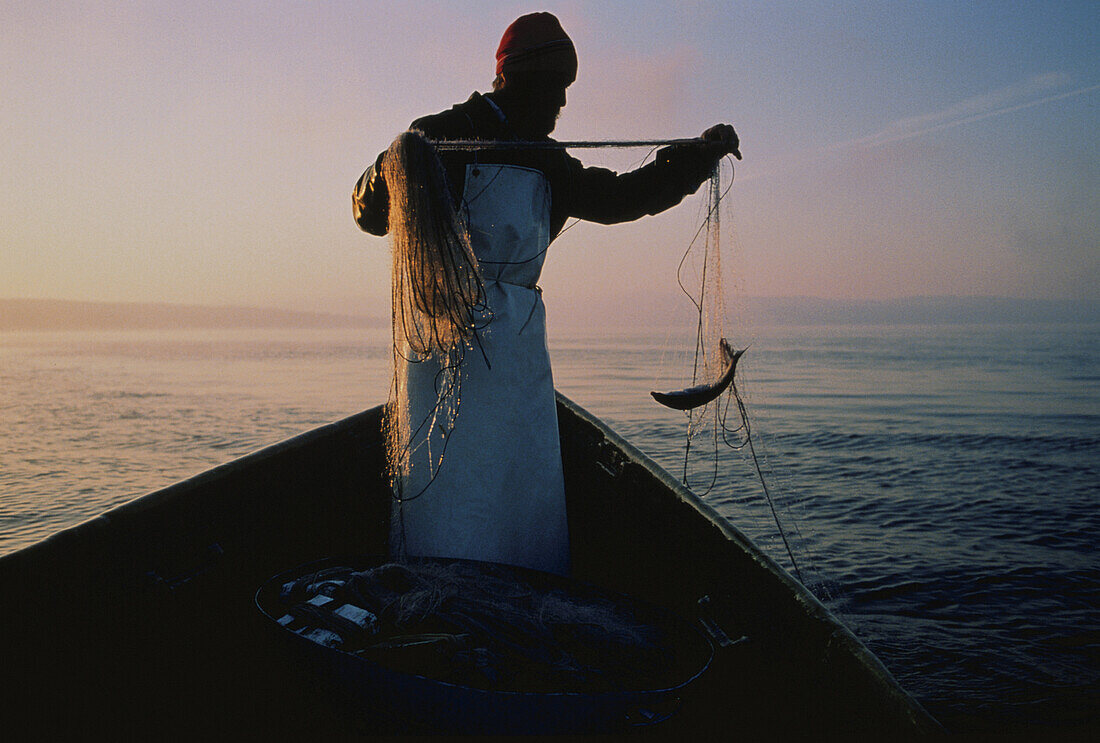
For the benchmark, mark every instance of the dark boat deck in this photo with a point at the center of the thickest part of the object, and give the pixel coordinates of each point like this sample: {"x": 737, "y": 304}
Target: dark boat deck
{"x": 141, "y": 622}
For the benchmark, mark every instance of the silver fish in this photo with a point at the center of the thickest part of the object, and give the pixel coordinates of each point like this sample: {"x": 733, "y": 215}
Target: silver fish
{"x": 695, "y": 397}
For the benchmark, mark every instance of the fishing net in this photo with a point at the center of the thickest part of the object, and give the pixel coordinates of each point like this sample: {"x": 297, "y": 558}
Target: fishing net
{"x": 711, "y": 299}
{"x": 438, "y": 294}
{"x": 700, "y": 277}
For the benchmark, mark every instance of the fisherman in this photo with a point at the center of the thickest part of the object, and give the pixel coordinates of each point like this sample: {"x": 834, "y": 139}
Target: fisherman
{"x": 490, "y": 487}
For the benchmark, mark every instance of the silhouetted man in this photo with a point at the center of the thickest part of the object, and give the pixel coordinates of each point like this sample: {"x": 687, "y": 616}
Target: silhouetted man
{"x": 491, "y": 487}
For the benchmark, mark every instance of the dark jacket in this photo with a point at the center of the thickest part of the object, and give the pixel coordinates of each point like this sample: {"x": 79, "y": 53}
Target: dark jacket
{"x": 593, "y": 194}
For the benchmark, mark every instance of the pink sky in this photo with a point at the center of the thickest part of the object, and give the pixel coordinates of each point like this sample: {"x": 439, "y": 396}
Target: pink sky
{"x": 205, "y": 154}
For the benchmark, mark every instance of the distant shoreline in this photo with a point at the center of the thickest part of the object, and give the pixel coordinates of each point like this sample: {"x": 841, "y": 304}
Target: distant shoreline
{"x": 926, "y": 311}
{"x": 611, "y": 312}
{"x": 53, "y": 314}
{"x": 674, "y": 311}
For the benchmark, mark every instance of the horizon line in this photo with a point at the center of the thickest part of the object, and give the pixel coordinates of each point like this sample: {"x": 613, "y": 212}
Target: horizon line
{"x": 38, "y": 314}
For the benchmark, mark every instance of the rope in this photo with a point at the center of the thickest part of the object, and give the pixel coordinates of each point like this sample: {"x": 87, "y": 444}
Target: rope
{"x": 549, "y": 144}
{"x": 763, "y": 483}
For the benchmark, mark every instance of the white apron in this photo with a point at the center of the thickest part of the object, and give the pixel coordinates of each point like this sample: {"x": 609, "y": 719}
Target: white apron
{"x": 498, "y": 493}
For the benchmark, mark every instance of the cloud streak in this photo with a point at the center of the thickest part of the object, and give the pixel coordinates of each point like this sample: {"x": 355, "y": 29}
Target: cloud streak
{"x": 999, "y": 102}
{"x": 1006, "y": 100}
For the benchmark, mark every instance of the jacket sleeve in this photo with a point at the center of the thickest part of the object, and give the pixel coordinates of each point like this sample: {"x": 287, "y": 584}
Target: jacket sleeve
{"x": 370, "y": 201}
{"x": 607, "y": 197}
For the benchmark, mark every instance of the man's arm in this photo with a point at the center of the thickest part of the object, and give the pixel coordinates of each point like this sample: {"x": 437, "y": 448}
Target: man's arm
{"x": 370, "y": 201}
{"x": 603, "y": 196}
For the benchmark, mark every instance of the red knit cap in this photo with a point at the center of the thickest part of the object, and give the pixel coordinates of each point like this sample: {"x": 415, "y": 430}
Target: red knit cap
{"x": 537, "y": 42}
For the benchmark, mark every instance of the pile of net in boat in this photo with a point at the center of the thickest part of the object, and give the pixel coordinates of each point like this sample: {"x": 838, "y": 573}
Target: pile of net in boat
{"x": 484, "y": 626}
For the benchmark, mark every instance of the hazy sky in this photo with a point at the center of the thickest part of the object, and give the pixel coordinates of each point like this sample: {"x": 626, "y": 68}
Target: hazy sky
{"x": 205, "y": 152}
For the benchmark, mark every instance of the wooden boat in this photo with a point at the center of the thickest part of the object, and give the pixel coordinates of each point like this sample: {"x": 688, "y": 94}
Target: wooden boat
{"x": 141, "y": 621}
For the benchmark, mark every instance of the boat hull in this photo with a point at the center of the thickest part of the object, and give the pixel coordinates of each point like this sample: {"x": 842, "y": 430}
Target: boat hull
{"x": 142, "y": 621}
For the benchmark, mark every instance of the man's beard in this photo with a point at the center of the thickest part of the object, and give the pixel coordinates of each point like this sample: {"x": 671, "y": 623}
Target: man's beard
{"x": 538, "y": 124}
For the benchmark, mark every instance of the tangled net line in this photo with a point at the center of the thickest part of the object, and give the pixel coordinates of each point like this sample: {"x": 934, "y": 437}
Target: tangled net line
{"x": 438, "y": 295}
{"x": 711, "y": 311}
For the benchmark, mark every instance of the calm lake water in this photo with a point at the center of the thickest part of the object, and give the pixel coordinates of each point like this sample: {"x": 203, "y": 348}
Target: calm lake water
{"x": 938, "y": 485}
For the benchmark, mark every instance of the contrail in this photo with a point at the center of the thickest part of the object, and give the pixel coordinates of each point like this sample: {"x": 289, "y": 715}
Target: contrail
{"x": 884, "y": 137}
{"x": 896, "y": 133}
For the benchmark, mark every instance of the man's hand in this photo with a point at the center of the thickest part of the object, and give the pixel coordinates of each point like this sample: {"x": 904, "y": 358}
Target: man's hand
{"x": 722, "y": 139}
